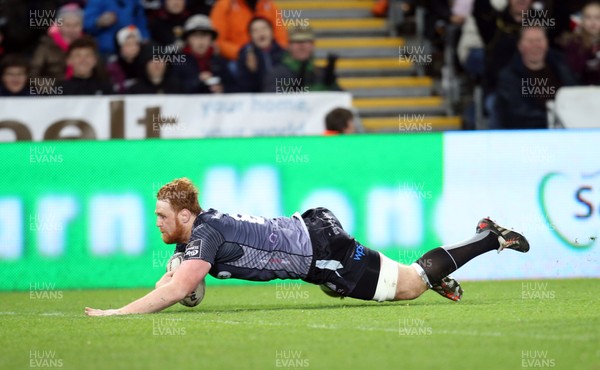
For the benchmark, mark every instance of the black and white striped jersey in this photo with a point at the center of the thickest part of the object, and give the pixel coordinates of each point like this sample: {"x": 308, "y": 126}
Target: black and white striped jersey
{"x": 250, "y": 247}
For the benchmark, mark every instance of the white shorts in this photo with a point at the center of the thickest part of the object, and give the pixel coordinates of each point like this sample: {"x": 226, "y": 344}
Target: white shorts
{"x": 387, "y": 281}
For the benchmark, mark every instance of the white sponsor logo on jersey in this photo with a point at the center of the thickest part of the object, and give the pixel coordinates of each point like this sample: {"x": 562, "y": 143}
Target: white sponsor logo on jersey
{"x": 191, "y": 252}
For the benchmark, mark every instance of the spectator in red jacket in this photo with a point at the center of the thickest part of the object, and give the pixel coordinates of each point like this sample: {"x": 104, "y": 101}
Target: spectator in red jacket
{"x": 583, "y": 46}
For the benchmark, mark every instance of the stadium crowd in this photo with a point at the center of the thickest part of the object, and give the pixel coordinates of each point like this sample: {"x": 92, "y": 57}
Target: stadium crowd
{"x": 520, "y": 51}
{"x": 99, "y": 47}
{"x": 510, "y": 47}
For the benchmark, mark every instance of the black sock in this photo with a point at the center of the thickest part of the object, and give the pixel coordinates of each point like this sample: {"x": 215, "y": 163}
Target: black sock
{"x": 440, "y": 262}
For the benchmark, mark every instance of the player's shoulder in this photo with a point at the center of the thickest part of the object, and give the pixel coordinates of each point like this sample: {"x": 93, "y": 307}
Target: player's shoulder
{"x": 211, "y": 217}
{"x": 216, "y": 218}
{"x": 209, "y": 221}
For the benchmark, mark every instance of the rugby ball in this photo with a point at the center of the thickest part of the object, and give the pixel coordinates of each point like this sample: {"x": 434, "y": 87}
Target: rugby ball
{"x": 195, "y": 297}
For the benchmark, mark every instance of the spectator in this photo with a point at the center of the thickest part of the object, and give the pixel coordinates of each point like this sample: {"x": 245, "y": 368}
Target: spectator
{"x": 1, "y": 39}
{"x": 470, "y": 48}
{"x": 437, "y": 16}
{"x": 529, "y": 81}
{"x": 166, "y": 27}
{"x": 499, "y": 32}
{"x": 50, "y": 57}
{"x": 259, "y": 56}
{"x": 380, "y": 8}
{"x": 14, "y": 70}
{"x": 442, "y": 24}
{"x": 25, "y": 22}
{"x": 156, "y": 78}
{"x": 297, "y": 71}
{"x": 583, "y": 46}
{"x": 151, "y": 7}
{"x": 231, "y": 19}
{"x": 204, "y": 71}
{"x": 562, "y": 11}
{"x": 200, "y": 6}
{"x": 88, "y": 77}
{"x": 460, "y": 11}
{"x": 126, "y": 68}
{"x": 339, "y": 121}
{"x": 104, "y": 18}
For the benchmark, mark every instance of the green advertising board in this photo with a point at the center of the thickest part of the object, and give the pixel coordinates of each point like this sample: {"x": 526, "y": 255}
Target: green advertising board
{"x": 81, "y": 214}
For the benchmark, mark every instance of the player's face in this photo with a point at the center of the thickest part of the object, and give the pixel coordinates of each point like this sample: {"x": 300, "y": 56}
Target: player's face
{"x": 167, "y": 222}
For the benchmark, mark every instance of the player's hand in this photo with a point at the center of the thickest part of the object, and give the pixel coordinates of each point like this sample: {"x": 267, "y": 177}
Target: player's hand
{"x": 97, "y": 312}
{"x": 165, "y": 279}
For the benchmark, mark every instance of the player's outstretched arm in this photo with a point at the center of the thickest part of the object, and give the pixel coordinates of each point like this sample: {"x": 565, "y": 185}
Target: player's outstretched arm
{"x": 185, "y": 279}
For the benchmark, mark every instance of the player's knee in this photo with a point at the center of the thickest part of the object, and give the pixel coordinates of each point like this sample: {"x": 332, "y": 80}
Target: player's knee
{"x": 398, "y": 282}
{"x": 410, "y": 284}
{"x": 408, "y": 294}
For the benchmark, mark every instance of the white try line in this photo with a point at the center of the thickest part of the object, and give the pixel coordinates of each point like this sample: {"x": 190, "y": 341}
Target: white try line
{"x": 475, "y": 333}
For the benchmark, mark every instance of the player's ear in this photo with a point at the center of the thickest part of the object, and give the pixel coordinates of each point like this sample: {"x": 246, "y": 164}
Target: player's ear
{"x": 184, "y": 215}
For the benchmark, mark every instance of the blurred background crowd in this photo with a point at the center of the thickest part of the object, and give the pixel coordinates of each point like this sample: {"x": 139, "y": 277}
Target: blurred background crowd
{"x": 497, "y": 59}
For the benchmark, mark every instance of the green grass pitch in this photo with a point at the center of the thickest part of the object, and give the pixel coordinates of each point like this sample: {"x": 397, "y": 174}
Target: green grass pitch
{"x": 288, "y": 325}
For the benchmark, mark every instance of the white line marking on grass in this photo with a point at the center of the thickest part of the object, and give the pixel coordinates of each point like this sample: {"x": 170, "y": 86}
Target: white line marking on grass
{"x": 7, "y": 313}
{"x": 395, "y": 330}
{"x": 473, "y": 333}
{"x": 230, "y": 322}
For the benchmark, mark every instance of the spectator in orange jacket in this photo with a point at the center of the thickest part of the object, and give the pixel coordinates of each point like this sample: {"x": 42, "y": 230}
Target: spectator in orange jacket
{"x": 231, "y": 18}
